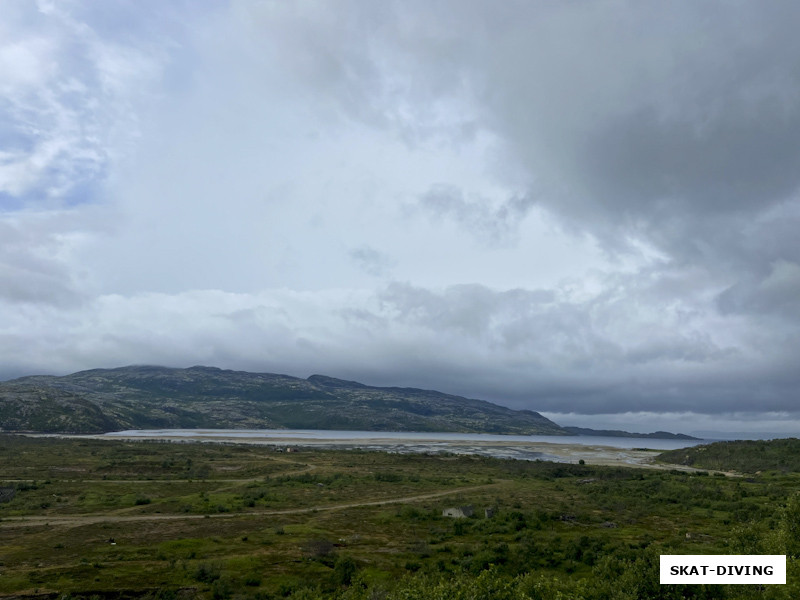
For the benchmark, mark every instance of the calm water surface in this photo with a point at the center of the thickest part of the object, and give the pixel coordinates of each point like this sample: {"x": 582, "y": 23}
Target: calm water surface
{"x": 314, "y": 436}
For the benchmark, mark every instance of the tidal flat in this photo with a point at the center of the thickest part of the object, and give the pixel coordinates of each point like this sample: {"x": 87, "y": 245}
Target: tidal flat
{"x": 570, "y": 449}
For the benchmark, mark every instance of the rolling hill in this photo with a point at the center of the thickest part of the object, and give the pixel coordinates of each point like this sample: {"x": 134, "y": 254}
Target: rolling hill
{"x": 147, "y": 397}
{"x": 743, "y": 456}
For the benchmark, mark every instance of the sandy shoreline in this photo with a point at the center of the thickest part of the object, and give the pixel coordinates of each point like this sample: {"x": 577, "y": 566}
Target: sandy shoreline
{"x": 591, "y": 454}
{"x": 573, "y": 453}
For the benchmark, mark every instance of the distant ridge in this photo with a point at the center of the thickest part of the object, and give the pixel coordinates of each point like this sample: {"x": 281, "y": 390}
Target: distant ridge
{"x": 657, "y": 435}
{"x": 149, "y": 397}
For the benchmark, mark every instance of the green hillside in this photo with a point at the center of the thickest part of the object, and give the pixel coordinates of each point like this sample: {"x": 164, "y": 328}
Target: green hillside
{"x": 146, "y": 397}
{"x": 743, "y": 456}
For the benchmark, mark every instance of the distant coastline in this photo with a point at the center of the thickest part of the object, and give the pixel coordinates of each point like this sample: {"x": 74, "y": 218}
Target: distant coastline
{"x": 656, "y": 435}
{"x": 396, "y": 439}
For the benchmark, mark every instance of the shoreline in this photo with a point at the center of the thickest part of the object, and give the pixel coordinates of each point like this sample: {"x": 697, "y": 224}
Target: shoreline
{"x": 570, "y": 453}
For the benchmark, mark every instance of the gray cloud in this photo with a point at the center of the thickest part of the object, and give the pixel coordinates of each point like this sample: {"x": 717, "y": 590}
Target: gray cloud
{"x": 685, "y": 103}
{"x": 371, "y": 261}
{"x": 673, "y": 126}
{"x": 628, "y": 348}
{"x": 600, "y": 353}
{"x": 34, "y": 265}
{"x": 775, "y": 294}
{"x": 490, "y": 222}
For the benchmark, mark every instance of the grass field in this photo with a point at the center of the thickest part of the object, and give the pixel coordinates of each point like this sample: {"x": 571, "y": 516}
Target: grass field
{"x": 113, "y": 519}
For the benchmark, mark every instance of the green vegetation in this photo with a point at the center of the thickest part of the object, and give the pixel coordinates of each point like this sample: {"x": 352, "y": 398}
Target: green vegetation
{"x": 144, "y": 397}
{"x": 781, "y": 456}
{"x": 112, "y": 519}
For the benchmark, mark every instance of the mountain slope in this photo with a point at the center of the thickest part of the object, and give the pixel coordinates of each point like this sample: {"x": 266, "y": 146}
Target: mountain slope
{"x": 42, "y": 408}
{"x": 142, "y": 397}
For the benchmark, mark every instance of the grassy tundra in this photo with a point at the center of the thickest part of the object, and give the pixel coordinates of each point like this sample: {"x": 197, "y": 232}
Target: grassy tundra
{"x": 83, "y": 518}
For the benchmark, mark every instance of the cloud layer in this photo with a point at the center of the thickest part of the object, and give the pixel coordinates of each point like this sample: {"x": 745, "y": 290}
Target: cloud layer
{"x": 577, "y": 208}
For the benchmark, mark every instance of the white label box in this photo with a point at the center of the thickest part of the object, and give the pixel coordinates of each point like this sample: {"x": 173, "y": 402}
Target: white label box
{"x": 723, "y": 568}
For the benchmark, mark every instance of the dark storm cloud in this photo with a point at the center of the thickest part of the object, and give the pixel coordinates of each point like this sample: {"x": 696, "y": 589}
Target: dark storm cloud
{"x": 742, "y": 160}
{"x": 776, "y": 294}
{"x": 676, "y": 126}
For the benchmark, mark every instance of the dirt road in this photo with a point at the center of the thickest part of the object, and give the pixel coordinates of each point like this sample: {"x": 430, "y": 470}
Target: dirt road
{"x": 78, "y": 520}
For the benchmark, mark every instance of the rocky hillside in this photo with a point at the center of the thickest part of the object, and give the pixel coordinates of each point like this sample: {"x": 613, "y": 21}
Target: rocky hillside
{"x": 144, "y": 397}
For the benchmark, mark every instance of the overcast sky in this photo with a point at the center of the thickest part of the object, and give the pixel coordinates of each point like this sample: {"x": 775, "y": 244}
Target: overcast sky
{"x": 589, "y": 209}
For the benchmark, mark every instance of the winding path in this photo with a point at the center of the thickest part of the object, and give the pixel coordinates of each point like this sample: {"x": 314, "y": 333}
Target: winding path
{"x": 78, "y": 520}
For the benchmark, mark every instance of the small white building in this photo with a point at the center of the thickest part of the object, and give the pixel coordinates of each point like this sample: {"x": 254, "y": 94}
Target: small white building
{"x": 458, "y": 512}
